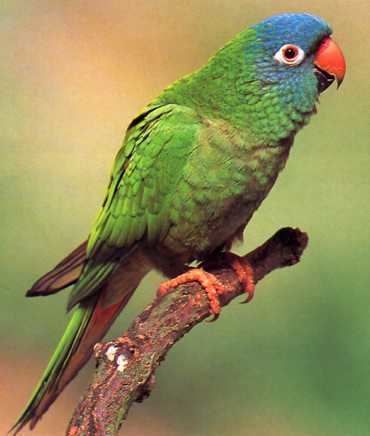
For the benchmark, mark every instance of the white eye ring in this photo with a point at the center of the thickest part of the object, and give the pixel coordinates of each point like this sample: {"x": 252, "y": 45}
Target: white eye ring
{"x": 289, "y": 54}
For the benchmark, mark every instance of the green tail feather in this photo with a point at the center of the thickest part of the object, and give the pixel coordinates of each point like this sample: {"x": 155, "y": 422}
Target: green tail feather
{"x": 68, "y": 343}
{"x": 89, "y": 282}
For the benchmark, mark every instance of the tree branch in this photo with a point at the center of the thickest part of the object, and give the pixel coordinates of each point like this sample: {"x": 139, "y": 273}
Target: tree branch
{"x": 126, "y": 366}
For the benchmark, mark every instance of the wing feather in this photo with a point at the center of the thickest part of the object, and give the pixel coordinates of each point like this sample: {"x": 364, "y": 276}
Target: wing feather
{"x": 144, "y": 178}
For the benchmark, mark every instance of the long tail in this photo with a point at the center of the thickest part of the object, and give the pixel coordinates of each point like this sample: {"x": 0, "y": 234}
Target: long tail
{"x": 88, "y": 324}
{"x": 64, "y": 274}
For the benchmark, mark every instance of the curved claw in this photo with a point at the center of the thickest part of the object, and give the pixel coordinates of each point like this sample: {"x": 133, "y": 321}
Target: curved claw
{"x": 214, "y": 318}
{"x": 249, "y": 298}
{"x": 244, "y": 271}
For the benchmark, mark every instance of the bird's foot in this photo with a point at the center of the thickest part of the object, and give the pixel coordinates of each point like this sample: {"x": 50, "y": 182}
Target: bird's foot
{"x": 208, "y": 281}
{"x": 245, "y": 273}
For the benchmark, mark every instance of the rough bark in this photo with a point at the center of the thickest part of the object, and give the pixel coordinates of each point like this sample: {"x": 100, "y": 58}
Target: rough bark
{"x": 126, "y": 366}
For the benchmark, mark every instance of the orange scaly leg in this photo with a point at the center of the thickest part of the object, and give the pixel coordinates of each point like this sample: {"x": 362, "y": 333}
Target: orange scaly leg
{"x": 244, "y": 272}
{"x": 207, "y": 280}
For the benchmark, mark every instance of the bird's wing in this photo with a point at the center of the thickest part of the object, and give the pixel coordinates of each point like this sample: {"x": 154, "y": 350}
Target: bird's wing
{"x": 144, "y": 177}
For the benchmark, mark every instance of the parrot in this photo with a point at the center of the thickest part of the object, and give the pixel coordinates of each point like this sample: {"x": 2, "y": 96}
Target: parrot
{"x": 194, "y": 166}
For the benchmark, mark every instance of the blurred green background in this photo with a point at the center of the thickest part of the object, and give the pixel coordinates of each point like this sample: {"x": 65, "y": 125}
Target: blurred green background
{"x": 297, "y": 360}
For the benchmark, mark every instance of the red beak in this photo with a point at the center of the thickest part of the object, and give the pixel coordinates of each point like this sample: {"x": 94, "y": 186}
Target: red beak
{"x": 330, "y": 60}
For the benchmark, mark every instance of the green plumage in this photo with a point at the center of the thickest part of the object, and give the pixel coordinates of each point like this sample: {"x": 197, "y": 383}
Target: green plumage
{"x": 194, "y": 166}
{"x": 189, "y": 163}
{"x": 66, "y": 347}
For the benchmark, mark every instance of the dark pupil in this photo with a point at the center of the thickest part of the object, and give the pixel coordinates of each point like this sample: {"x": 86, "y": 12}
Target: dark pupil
{"x": 290, "y": 53}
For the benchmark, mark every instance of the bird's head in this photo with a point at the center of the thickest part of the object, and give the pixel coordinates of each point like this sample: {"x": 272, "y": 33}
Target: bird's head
{"x": 298, "y": 57}
{"x": 285, "y": 62}
{"x": 268, "y": 78}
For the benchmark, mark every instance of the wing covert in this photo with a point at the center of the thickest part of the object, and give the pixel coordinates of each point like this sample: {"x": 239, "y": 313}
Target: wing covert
{"x": 144, "y": 178}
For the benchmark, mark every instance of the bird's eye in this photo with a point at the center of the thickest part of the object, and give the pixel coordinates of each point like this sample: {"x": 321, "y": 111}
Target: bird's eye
{"x": 289, "y": 54}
